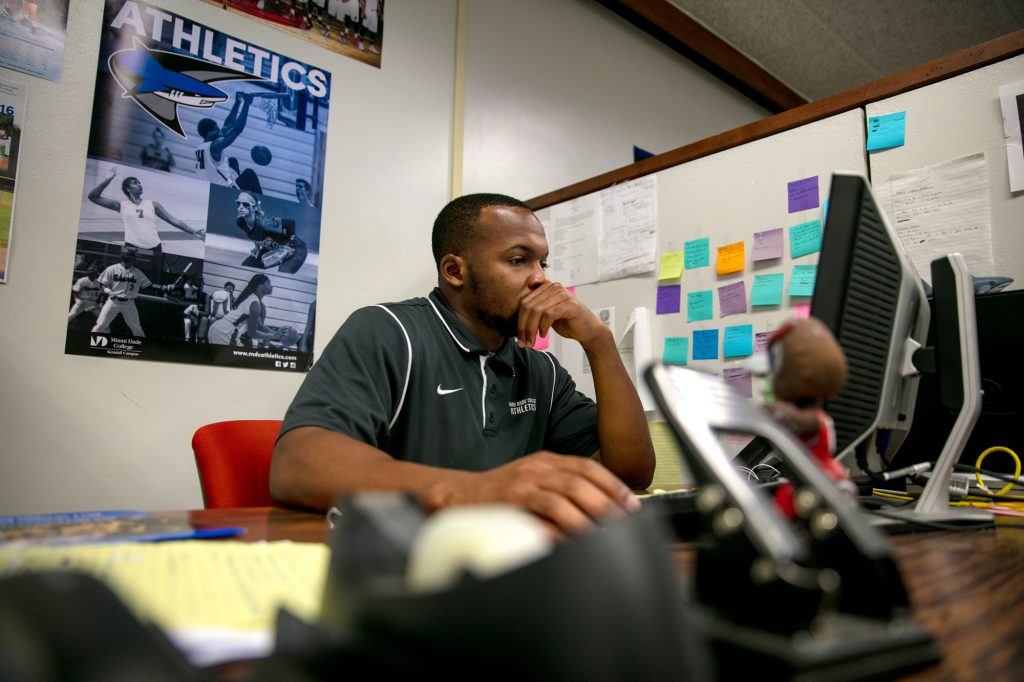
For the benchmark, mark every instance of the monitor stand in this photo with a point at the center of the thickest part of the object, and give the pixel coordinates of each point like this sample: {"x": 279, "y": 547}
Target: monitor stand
{"x": 958, "y": 367}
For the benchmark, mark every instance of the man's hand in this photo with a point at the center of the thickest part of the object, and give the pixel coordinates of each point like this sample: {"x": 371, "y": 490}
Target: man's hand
{"x": 568, "y": 493}
{"x": 551, "y": 306}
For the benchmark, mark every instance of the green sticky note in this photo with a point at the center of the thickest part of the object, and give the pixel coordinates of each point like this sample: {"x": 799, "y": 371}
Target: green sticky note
{"x": 671, "y": 265}
{"x": 699, "y": 306}
{"x": 677, "y": 349}
{"x": 805, "y": 238}
{"x": 801, "y": 283}
{"x": 697, "y": 253}
{"x": 767, "y": 290}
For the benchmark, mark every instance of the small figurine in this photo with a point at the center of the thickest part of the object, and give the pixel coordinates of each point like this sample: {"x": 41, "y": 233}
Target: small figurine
{"x": 807, "y": 368}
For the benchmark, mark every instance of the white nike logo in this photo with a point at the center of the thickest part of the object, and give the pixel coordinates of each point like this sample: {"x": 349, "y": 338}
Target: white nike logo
{"x": 446, "y": 391}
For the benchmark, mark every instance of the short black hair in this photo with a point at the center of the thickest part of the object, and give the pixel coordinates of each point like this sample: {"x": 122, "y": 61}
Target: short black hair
{"x": 453, "y": 226}
{"x": 205, "y": 126}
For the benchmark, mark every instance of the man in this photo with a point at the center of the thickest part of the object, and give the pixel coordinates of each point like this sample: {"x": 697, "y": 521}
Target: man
{"x": 212, "y": 162}
{"x": 275, "y": 243}
{"x": 122, "y": 283}
{"x": 156, "y": 154}
{"x": 438, "y": 397}
{"x": 304, "y": 192}
{"x": 87, "y": 291}
{"x": 139, "y": 216}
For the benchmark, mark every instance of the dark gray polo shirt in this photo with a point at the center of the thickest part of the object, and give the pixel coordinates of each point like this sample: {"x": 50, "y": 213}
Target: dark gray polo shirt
{"x": 410, "y": 379}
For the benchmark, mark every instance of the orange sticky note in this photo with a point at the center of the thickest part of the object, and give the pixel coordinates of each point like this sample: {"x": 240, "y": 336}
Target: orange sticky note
{"x": 730, "y": 258}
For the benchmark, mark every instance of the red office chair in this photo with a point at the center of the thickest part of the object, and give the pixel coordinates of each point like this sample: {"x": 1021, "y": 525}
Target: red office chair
{"x": 233, "y": 459}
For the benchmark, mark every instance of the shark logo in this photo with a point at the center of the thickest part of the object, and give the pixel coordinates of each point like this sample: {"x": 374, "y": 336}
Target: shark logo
{"x": 159, "y": 81}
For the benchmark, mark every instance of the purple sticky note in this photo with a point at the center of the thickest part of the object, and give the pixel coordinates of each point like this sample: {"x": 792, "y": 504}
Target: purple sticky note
{"x": 668, "y": 298}
{"x": 761, "y": 341}
{"x": 768, "y": 244}
{"x": 732, "y": 299}
{"x": 803, "y": 194}
{"x": 739, "y": 379}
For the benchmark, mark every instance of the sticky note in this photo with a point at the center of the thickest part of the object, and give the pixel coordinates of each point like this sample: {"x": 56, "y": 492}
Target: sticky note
{"x": 705, "y": 344}
{"x": 761, "y": 341}
{"x": 730, "y": 258}
{"x": 805, "y": 239}
{"x": 801, "y": 283}
{"x": 739, "y": 340}
{"x": 767, "y": 245}
{"x": 885, "y": 132}
{"x": 677, "y": 349}
{"x": 668, "y": 298}
{"x": 824, "y": 212}
{"x": 802, "y": 310}
{"x": 767, "y": 290}
{"x": 697, "y": 253}
{"x": 803, "y": 194}
{"x": 699, "y": 306}
{"x": 542, "y": 342}
{"x": 732, "y": 299}
{"x": 671, "y": 265}
{"x": 739, "y": 379}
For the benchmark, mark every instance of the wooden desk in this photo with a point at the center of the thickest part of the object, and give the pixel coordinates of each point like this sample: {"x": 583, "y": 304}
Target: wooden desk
{"x": 967, "y": 587}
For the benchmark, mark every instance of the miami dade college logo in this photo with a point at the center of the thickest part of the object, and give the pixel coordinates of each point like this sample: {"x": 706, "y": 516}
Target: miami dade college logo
{"x": 98, "y": 341}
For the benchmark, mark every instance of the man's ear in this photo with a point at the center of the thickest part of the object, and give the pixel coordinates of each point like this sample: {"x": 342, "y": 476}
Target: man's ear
{"x": 453, "y": 270}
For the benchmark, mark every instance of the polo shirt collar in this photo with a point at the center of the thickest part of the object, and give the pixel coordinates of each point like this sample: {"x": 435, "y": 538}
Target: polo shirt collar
{"x": 462, "y": 336}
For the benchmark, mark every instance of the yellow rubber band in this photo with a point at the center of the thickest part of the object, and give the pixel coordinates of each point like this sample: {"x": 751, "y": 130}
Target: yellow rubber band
{"x": 1016, "y": 468}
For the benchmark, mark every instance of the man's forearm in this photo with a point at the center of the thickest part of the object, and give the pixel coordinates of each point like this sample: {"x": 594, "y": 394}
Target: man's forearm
{"x": 622, "y": 428}
{"x": 312, "y": 466}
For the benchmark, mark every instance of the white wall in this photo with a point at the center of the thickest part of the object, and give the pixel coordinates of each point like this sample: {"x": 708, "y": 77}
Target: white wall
{"x": 558, "y": 91}
{"x": 956, "y": 118}
{"x": 87, "y": 433}
{"x": 558, "y": 98}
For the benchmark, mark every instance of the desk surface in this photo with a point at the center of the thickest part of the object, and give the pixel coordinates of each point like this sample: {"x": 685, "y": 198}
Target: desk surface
{"x": 967, "y": 588}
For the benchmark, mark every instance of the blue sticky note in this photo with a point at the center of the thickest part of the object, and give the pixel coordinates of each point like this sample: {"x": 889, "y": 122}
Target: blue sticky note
{"x": 801, "y": 283}
{"x": 824, "y": 212}
{"x": 885, "y": 132}
{"x": 697, "y": 253}
{"x": 767, "y": 290}
{"x": 699, "y": 306}
{"x": 668, "y": 298}
{"x": 805, "y": 239}
{"x": 677, "y": 349}
{"x": 705, "y": 344}
{"x": 739, "y": 340}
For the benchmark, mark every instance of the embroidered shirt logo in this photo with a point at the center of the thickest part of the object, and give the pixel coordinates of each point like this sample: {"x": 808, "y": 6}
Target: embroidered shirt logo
{"x": 446, "y": 391}
{"x": 523, "y": 406}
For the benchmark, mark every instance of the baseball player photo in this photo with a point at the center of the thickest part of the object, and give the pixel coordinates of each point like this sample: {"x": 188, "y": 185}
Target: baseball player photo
{"x": 121, "y": 284}
{"x": 87, "y": 292}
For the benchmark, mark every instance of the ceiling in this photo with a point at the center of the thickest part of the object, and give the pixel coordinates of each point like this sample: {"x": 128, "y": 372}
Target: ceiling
{"x": 817, "y": 48}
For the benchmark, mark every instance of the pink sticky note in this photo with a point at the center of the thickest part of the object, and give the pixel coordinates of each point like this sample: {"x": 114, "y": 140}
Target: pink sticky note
{"x": 802, "y": 309}
{"x": 542, "y": 341}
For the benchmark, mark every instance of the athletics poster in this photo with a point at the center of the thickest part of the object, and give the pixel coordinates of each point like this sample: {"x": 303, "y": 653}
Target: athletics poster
{"x": 12, "y": 119}
{"x": 199, "y": 232}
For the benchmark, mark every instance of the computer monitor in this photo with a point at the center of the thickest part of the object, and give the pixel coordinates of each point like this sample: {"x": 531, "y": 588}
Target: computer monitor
{"x": 870, "y": 296}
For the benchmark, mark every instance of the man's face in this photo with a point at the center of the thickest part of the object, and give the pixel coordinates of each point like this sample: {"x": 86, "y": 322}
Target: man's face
{"x": 244, "y": 209}
{"x": 505, "y": 262}
{"x": 127, "y": 258}
{"x": 158, "y": 137}
{"x": 134, "y": 188}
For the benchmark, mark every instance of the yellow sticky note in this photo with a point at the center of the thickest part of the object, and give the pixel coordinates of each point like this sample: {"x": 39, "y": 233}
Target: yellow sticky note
{"x": 671, "y": 265}
{"x": 730, "y": 258}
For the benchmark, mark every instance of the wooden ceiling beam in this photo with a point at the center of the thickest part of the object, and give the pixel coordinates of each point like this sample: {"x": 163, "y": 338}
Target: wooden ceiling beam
{"x": 668, "y": 24}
